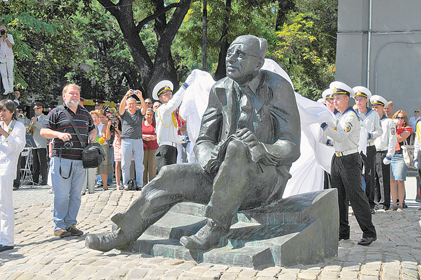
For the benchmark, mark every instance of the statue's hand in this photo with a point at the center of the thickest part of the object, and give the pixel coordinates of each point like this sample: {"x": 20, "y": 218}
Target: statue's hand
{"x": 260, "y": 154}
{"x": 247, "y": 137}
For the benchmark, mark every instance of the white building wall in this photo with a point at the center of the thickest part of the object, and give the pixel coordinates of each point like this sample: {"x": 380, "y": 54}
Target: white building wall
{"x": 395, "y": 53}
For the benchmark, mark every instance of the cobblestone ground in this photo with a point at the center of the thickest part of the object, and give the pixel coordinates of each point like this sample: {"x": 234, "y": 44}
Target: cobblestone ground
{"x": 39, "y": 255}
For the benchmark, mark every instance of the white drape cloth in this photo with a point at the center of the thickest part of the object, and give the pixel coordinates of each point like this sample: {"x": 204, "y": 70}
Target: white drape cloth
{"x": 307, "y": 171}
{"x": 193, "y": 107}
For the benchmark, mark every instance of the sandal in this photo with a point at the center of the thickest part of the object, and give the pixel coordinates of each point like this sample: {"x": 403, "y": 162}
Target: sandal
{"x": 400, "y": 209}
{"x": 393, "y": 208}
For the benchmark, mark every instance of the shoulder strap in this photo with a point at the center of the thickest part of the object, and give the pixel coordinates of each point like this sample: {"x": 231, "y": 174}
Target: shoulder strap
{"x": 61, "y": 107}
{"x": 11, "y": 126}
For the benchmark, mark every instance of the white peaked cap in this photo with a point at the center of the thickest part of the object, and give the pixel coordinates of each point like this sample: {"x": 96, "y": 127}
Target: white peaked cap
{"x": 341, "y": 88}
{"x": 161, "y": 87}
{"x": 378, "y": 100}
{"x": 362, "y": 91}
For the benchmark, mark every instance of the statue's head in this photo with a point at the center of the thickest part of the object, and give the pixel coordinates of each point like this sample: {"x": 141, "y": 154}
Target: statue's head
{"x": 245, "y": 57}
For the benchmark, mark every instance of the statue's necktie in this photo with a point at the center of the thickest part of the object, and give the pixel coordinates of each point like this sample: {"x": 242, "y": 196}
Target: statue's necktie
{"x": 246, "y": 109}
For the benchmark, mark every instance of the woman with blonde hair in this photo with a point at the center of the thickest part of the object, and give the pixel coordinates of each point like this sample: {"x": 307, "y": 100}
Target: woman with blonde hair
{"x": 106, "y": 167}
{"x": 398, "y": 166}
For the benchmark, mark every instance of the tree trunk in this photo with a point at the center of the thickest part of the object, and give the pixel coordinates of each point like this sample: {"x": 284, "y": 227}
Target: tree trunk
{"x": 205, "y": 36}
{"x": 221, "y": 69}
{"x": 151, "y": 72}
{"x": 284, "y": 8}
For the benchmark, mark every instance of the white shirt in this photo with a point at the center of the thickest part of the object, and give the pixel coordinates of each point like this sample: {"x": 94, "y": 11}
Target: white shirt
{"x": 5, "y": 50}
{"x": 166, "y": 131}
{"x": 371, "y": 120}
{"x": 387, "y": 141}
{"x": 11, "y": 147}
{"x": 413, "y": 122}
{"x": 346, "y": 133}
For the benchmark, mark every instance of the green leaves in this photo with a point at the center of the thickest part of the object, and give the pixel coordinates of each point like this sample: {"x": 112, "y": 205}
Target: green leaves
{"x": 303, "y": 52}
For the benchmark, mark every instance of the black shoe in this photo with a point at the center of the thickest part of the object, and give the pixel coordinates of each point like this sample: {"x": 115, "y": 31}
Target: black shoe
{"x": 74, "y": 231}
{"x": 365, "y": 241}
{"x": 62, "y": 233}
{"x": 343, "y": 237}
{"x": 206, "y": 238}
{"x": 404, "y": 205}
{"x": 15, "y": 188}
{"x": 5, "y": 248}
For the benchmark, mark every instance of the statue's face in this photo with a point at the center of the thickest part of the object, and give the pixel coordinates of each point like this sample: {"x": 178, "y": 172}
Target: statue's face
{"x": 243, "y": 62}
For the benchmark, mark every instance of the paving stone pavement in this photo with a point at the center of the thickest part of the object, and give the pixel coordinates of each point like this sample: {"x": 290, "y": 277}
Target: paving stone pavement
{"x": 39, "y": 255}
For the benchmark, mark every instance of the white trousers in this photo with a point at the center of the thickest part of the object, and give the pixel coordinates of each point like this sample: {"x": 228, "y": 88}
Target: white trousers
{"x": 7, "y": 216}
{"x": 90, "y": 180}
{"x": 6, "y": 70}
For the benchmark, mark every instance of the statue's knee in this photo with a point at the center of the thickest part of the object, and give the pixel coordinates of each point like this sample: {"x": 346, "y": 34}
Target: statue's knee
{"x": 166, "y": 171}
{"x": 235, "y": 150}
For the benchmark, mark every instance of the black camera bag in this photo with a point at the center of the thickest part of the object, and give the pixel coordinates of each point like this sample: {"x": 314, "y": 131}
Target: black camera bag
{"x": 93, "y": 154}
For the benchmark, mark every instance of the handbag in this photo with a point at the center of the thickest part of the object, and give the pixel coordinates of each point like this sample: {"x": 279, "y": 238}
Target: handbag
{"x": 93, "y": 154}
{"x": 408, "y": 154}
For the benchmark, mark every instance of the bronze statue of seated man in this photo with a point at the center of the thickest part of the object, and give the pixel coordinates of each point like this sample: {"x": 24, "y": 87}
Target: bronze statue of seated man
{"x": 249, "y": 137}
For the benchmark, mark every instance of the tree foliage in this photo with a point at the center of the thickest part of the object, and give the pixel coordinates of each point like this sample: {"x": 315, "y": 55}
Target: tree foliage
{"x": 307, "y": 44}
{"x": 42, "y": 47}
{"x": 110, "y": 46}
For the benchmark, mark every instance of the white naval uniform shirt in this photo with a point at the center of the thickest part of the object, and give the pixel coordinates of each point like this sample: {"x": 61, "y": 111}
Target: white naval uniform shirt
{"x": 346, "y": 133}
{"x": 387, "y": 141}
{"x": 11, "y": 147}
{"x": 371, "y": 121}
{"x": 166, "y": 131}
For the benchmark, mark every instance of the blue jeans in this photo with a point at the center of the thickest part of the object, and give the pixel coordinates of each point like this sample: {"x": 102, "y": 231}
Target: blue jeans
{"x": 67, "y": 192}
{"x": 131, "y": 147}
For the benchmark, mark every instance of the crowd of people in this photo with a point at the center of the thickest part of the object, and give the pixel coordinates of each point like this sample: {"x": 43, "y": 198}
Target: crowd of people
{"x": 141, "y": 139}
{"x": 377, "y": 136}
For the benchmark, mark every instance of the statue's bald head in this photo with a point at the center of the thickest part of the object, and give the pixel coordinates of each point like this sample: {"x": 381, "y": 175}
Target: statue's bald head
{"x": 256, "y": 45}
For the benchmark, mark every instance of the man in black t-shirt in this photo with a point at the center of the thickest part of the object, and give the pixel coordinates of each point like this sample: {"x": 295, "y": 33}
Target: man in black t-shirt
{"x": 67, "y": 172}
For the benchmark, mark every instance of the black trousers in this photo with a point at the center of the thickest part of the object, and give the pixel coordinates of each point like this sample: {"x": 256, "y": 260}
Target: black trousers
{"x": 165, "y": 155}
{"x": 16, "y": 182}
{"x": 39, "y": 165}
{"x": 327, "y": 181}
{"x": 369, "y": 173}
{"x": 346, "y": 177}
{"x": 382, "y": 187}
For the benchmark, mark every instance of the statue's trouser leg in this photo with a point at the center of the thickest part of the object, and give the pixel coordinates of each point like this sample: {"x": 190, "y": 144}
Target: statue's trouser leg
{"x": 174, "y": 184}
{"x": 239, "y": 184}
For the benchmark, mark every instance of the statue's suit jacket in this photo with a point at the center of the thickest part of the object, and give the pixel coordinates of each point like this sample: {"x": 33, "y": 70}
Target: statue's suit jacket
{"x": 275, "y": 121}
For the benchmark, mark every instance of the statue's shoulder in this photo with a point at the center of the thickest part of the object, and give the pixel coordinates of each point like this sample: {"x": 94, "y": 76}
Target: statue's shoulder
{"x": 222, "y": 83}
{"x": 273, "y": 79}
{"x": 281, "y": 89}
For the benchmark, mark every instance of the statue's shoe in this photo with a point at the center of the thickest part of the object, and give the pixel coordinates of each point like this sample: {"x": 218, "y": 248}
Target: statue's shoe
{"x": 105, "y": 241}
{"x": 206, "y": 238}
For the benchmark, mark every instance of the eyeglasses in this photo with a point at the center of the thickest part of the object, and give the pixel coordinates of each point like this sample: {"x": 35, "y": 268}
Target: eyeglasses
{"x": 147, "y": 102}
{"x": 239, "y": 54}
{"x": 167, "y": 94}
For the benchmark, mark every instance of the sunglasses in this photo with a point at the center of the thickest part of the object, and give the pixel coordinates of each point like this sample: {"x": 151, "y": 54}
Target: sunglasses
{"x": 400, "y": 118}
{"x": 416, "y": 111}
{"x": 148, "y": 102}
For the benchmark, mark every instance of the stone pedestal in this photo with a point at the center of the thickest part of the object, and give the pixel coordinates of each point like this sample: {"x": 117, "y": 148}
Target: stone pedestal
{"x": 301, "y": 229}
